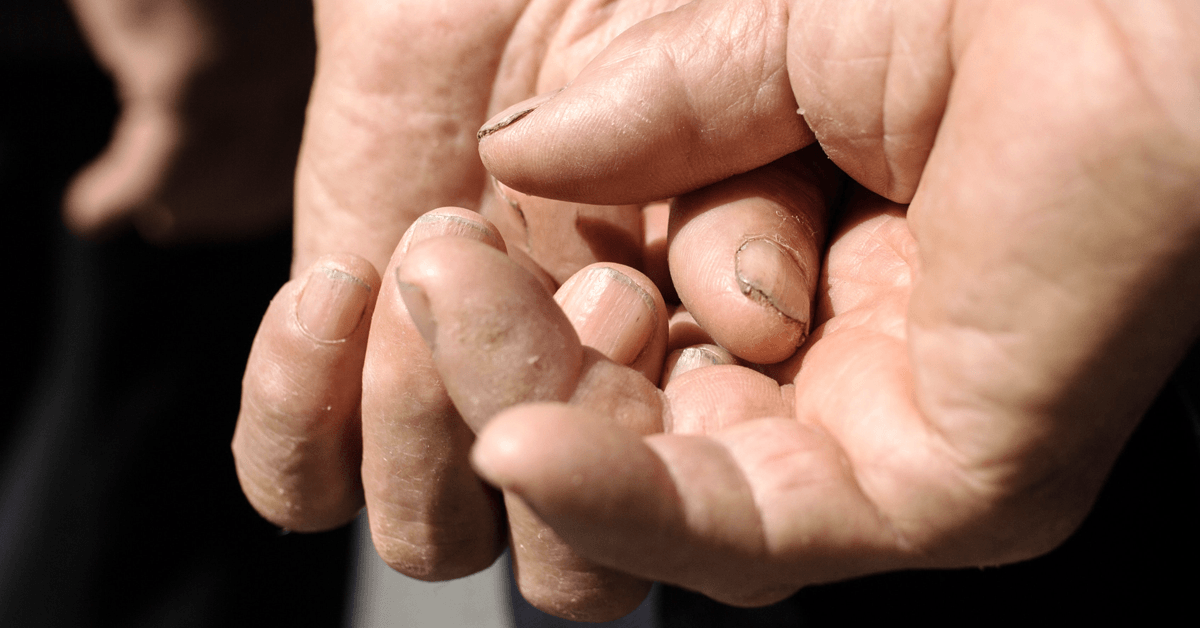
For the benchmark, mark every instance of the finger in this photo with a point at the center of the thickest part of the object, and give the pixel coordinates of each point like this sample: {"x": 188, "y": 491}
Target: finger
{"x": 297, "y": 442}
{"x": 125, "y": 177}
{"x": 680, "y": 509}
{"x": 510, "y": 344}
{"x": 121, "y": 182}
{"x": 389, "y": 132}
{"x": 675, "y": 135}
{"x": 656, "y": 221}
{"x": 617, "y": 311}
{"x": 745, "y": 254}
{"x": 430, "y": 516}
{"x": 720, "y": 87}
{"x": 451, "y": 288}
{"x": 564, "y": 237}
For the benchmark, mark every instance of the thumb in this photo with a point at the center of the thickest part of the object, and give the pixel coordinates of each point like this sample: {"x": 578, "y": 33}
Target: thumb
{"x": 719, "y": 87}
{"x": 647, "y": 113}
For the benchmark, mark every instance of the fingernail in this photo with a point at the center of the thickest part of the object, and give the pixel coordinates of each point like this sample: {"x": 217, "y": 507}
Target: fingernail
{"x": 514, "y": 114}
{"x": 332, "y": 303}
{"x": 417, "y": 303}
{"x": 691, "y": 358}
{"x": 610, "y": 312}
{"x": 453, "y": 222}
{"x": 770, "y": 275}
{"x": 687, "y": 359}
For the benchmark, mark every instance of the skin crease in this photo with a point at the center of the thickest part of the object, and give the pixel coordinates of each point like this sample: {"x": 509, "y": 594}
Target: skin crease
{"x": 1010, "y": 328}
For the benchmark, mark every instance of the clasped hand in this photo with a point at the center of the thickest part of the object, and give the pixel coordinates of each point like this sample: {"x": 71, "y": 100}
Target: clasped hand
{"x": 855, "y": 384}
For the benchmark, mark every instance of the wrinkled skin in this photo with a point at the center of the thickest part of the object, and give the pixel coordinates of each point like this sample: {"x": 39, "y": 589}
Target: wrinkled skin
{"x": 981, "y": 344}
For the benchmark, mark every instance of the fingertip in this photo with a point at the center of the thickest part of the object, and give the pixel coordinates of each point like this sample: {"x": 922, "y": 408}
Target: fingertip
{"x": 451, "y": 222}
{"x": 745, "y": 254}
{"x": 619, "y": 312}
{"x": 336, "y": 296}
{"x": 500, "y": 447}
{"x": 297, "y": 446}
{"x": 500, "y": 338}
{"x": 546, "y": 452}
{"x": 513, "y": 114}
{"x": 527, "y": 441}
{"x": 768, "y": 272}
{"x": 653, "y": 83}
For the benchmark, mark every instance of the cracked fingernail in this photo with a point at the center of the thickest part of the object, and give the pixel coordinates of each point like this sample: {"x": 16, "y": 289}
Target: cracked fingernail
{"x": 514, "y": 114}
{"x": 610, "y": 312}
{"x": 769, "y": 275}
{"x": 332, "y": 303}
{"x": 419, "y": 310}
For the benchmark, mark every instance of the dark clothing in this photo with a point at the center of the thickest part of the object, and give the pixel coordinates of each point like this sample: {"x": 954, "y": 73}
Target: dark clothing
{"x": 118, "y": 501}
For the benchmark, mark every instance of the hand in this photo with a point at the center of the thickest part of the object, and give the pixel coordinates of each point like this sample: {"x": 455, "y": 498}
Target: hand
{"x": 1052, "y": 247}
{"x": 212, "y": 103}
{"x": 391, "y": 133}
{"x": 756, "y": 488}
{"x": 955, "y": 280}
{"x": 297, "y": 455}
{"x": 401, "y": 91}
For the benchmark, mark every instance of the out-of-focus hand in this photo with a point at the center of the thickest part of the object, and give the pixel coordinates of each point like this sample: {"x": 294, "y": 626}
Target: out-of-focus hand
{"x": 212, "y": 96}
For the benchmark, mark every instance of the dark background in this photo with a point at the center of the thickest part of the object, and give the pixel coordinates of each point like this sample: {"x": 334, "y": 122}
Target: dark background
{"x": 118, "y": 500}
